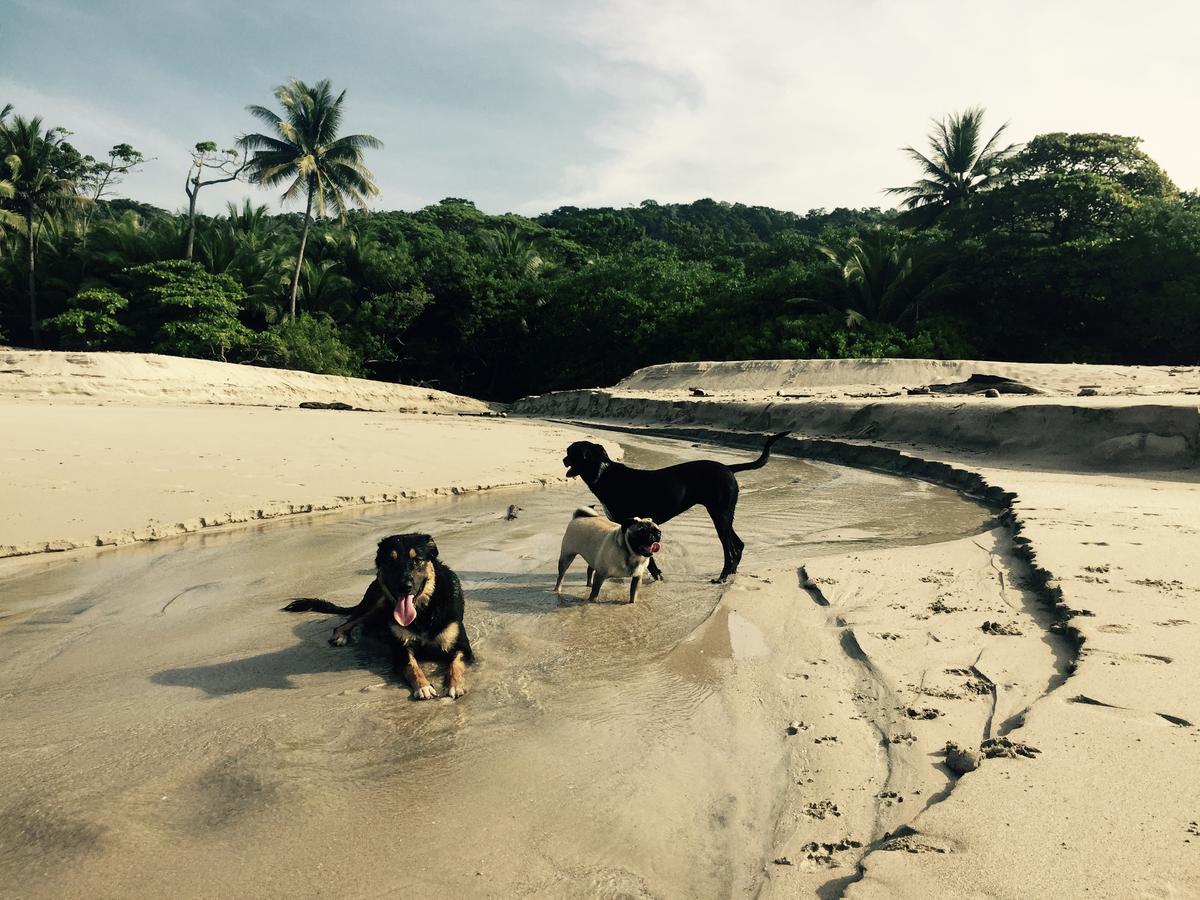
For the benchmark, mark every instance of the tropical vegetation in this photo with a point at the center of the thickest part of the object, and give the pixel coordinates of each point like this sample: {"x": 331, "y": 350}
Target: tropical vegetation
{"x": 1073, "y": 247}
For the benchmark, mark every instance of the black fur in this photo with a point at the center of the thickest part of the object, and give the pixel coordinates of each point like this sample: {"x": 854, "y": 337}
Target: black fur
{"x": 402, "y": 564}
{"x": 662, "y": 494}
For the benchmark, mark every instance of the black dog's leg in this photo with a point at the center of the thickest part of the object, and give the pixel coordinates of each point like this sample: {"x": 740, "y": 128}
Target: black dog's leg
{"x": 413, "y": 673}
{"x": 589, "y": 576}
{"x": 597, "y": 580}
{"x": 654, "y": 570}
{"x": 370, "y": 603}
{"x": 633, "y": 586}
{"x": 456, "y": 677}
{"x": 731, "y": 544}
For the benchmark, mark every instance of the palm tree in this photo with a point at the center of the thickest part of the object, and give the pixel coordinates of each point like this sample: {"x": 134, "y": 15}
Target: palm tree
{"x": 513, "y": 249}
{"x": 40, "y": 182}
{"x": 885, "y": 279}
{"x": 958, "y": 165}
{"x": 306, "y": 151}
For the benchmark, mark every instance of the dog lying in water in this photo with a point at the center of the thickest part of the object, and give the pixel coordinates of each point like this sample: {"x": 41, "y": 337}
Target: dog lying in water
{"x": 662, "y": 494}
{"x": 612, "y": 550}
{"x": 415, "y": 604}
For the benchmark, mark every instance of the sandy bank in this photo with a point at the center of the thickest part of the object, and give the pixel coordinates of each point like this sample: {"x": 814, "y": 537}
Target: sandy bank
{"x": 1161, "y": 431}
{"x": 44, "y": 375}
{"x": 1103, "y": 809}
{"x": 108, "y": 448}
{"x": 830, "y": 376}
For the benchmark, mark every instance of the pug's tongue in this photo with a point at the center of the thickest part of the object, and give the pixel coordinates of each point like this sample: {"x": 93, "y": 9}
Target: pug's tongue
{"x": 655, "y": 547}
{"x": 405, "y": 611}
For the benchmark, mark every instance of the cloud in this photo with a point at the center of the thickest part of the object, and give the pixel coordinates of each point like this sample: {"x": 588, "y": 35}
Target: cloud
{"x": 801, "y": 105}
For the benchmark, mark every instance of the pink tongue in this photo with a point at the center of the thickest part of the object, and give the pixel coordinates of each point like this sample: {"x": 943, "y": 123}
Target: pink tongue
{"x": 405, "y": 611}
{"x": 655, "y": 547}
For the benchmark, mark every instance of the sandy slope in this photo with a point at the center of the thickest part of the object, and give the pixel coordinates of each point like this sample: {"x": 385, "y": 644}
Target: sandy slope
{"x": 100, "y": 449}
{"x": 56, "y": 377}
{"x": 1108, "y": 807}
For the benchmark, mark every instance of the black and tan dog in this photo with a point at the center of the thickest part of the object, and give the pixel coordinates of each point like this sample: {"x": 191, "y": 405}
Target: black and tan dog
{"x": 415, "y": 604}
{"x": 662, "y": 494}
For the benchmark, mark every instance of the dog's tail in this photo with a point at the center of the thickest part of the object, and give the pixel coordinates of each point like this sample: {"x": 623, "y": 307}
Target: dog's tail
{"x": 312, "y": 604}
{"x": 762, "y": 460}
{"x": 584, "y": 511}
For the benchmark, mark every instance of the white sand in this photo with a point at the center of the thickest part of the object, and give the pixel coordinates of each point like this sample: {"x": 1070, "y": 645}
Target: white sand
{"x": 1109, "y": 807}
{"x": 99, "y": 449}
{"x": 575, "y": 769}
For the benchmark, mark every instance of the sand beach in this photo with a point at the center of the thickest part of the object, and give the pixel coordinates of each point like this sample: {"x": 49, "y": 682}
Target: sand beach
{"x": 1013, "y": 575}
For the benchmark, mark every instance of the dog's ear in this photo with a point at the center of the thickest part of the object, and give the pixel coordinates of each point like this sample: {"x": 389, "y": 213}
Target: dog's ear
{"x": 430, "y": 546}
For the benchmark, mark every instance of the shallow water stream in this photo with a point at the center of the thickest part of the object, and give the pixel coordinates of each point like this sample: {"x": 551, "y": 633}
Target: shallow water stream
{"x": 166, "y": 730}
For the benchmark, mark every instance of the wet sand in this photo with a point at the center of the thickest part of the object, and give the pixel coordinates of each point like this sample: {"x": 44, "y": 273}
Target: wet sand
{"x": 176, "y": 733}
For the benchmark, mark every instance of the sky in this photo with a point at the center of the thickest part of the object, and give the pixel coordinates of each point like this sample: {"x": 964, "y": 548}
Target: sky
{"x": 527, "y": 106}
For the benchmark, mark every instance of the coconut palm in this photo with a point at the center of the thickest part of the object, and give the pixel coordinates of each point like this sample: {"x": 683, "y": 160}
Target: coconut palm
{"x": 305, "y": 152}
{"x": 39, "y": 168}
{"x": 512, "y": 249}
{"x": 958, "y": 165}
{"x": 886, "y": 280}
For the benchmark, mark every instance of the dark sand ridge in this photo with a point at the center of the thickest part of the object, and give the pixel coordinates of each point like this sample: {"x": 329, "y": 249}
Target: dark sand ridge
{"x": 179, "y": 735}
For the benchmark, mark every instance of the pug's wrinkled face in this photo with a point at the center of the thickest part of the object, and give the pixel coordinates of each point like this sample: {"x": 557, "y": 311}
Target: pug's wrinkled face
{"x": 643, "y": 536}
{"x": 583, "y": 460}
{"x": 404, "y": 565}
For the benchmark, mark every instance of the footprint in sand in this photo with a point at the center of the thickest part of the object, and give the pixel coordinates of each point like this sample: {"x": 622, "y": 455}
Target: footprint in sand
{"x": 1114, "y": 629}
{"x": 905, "y": 738}
{"x": 1003, "y": 748}
{"x": 1171, "y": 623}
{"x": 886, "y": 635}
{"x": 925, "y": 712}
{"x": 825, "y": 854}
{"x": 911, "y": 843}
{"x": 822, "y": 808}
{"x": 826, "y": 739}
{"x": 939, "y": 606}
{"x": 889, "y": 797}
{"x": 999, "y": 628}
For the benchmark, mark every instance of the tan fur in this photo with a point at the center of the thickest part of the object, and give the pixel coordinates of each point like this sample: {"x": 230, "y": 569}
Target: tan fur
{"x": 447, "y": 637}
{"x": 456, "y": 678}
{"x": 430, "y": 584}
{"x": 415, "y": 674}
{"x": 601, "y": 542}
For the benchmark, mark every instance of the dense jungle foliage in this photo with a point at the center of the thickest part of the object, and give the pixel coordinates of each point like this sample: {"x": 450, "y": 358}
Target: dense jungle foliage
{"x": 1073, "y": 248}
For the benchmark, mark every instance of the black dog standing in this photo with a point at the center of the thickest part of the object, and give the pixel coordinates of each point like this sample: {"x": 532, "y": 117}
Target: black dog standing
{"x": 662, "y": 494}
{"x": 415, "y": 604}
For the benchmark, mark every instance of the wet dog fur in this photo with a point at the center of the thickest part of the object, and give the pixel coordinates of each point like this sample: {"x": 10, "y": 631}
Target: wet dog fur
{"x": 662, "y": 494}
{"x": 409, "y": 575}
{"x": 612, "y": 550}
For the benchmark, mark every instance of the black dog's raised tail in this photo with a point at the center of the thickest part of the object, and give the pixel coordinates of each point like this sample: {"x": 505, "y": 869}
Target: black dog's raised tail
{"x": 312, "y": 604}
{"x": 762, "y": 460}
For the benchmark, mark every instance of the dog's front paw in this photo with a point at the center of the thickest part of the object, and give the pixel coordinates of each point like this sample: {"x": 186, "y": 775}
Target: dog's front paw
{"x": 424, "y": 692}
{"x": 339, "y": 639}
{"x": 454, "y": 691}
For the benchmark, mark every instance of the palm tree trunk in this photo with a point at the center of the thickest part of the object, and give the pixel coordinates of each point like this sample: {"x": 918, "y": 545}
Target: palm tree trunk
{"x": 300, "y": 255}
{"x": 35, "y": 324}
